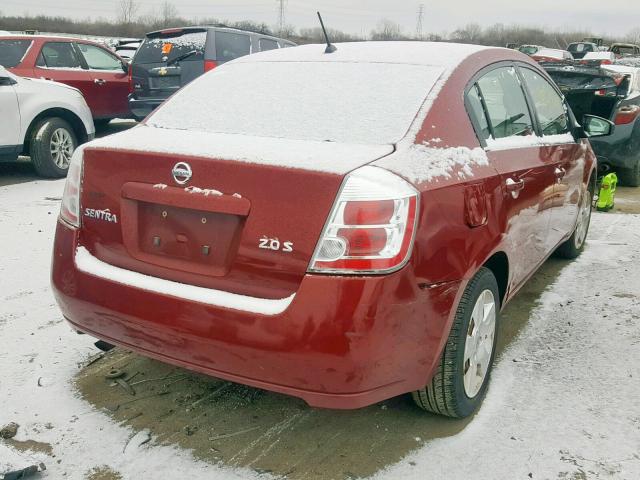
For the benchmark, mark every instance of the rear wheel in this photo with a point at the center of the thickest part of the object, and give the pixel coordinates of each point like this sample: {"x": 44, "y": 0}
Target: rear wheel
{"x": 630, "y": 177}
{"x": 461, "y": 380}
{"x": 52, "y": 144}
{"x": 574, "y": 246}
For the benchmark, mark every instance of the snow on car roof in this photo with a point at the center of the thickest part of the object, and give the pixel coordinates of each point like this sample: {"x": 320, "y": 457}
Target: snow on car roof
{"x": 599, "y": 56}
{"x": 434, "y": 54}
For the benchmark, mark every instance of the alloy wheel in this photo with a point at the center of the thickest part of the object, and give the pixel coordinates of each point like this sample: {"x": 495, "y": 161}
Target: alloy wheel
{"x": 62, "y": 148}
{"x": 478, "y": 347}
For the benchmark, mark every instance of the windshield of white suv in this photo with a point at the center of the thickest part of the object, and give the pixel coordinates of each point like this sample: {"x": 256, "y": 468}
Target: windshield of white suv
{"x": 366, "y": 103}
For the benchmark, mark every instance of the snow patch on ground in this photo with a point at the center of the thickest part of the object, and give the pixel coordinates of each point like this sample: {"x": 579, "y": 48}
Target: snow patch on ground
{"x": 38, "y": 348}
{"x": 564, "y": 400}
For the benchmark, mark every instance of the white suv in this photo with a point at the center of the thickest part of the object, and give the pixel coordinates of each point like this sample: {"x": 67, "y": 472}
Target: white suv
{"x": 42, "y": 119}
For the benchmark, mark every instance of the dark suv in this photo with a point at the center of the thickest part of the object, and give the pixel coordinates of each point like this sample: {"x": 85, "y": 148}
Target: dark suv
{"x": 169, "y": 59}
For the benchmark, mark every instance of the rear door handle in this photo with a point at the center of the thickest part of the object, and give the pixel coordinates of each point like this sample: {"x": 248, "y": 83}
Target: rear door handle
{"x": 99, "y": 81}
{"x": 514, "y": 187}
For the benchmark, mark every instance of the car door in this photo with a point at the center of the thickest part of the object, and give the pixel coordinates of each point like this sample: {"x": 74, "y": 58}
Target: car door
{"x": 506, "y": 129}
{"x": 58, "y": 60}
{"x": 566, "y": 155}
{"x": 9, "y": 109}
{"x": 110, "y": 82}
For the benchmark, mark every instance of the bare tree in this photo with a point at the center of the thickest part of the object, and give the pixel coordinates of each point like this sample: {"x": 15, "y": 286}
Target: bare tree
{"x": 387, "y": 30}
{"x": 127, "y": 10}
{"x": 471, "y": 33}
{"x": 168, "y": 13}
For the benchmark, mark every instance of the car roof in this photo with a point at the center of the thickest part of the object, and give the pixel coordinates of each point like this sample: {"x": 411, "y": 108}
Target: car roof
{"x": 220, "y": 28}
{"x": 415, "y": 53}
{"x": 25, "y": 36}
{"x": 630, "y": 45}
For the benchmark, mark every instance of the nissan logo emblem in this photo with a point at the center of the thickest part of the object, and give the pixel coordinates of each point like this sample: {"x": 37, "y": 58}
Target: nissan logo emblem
{"x": 181, "y": 173}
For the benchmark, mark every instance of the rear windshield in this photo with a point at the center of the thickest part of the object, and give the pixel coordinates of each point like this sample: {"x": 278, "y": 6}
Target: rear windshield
{"x": 167, "y": 47}
{"x": 529, "y": 50}
{"x": 580, "y": 47}
{"x": 12, "y": 52}
{"x": 365, "y": 103}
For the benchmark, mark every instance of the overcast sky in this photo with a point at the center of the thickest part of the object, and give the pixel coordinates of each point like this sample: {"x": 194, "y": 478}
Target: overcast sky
{"x": 361, "y": 16}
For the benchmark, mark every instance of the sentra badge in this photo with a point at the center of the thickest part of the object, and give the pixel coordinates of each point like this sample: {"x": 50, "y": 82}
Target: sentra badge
{"x": 181, "y": 173}
{"x": 104, "y": 215}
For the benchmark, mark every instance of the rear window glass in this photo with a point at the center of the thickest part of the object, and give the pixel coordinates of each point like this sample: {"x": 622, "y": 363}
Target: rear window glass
{"x": 266, "y": 44}
{"x": 230, "y": 46}
{"x": 506, "y": 105}
{"x": 528, "y": 49}
{"x": 59, "y": 55}
{"x": 13, "y": 51}
{"x": 265, "y": 99}
{"x": 166, "y": 48}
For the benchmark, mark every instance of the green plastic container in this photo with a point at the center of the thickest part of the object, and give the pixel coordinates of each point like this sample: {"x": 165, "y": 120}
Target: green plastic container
{"x": 606, "y": 199}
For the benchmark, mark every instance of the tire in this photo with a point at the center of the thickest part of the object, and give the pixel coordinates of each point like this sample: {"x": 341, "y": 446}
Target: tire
{"x": 448, "y": 392}
{"x": 630, "y": 177}
{"x": 52, "y": 135}
{"x": 573, "y": 247}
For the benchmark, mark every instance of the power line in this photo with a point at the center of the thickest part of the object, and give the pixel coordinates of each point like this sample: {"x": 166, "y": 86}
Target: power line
{"x": 420, "y": 19}
{"x": 281, "y": 14}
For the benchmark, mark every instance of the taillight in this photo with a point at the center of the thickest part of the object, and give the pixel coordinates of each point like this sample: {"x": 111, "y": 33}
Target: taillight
{"x": 70, "y": 207}
{"x": 627, "y": 114}
{"x": 209, "y": 65}
{"x": 371, "y": 225}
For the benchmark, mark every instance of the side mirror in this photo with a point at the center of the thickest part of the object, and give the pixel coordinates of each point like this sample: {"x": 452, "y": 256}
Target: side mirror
{"x": 597, "y": 126}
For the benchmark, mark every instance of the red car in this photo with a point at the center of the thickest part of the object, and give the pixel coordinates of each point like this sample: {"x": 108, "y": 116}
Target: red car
{"x": 98, "y": 73}
{"x": 342, "y": 227}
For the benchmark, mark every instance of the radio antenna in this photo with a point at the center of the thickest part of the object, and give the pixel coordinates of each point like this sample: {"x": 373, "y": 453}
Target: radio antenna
{"x": 330, "y": 47}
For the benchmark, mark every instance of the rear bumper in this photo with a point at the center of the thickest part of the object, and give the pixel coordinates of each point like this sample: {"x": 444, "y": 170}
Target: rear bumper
{"x": 140, "y": 108}
{"x": 343, "y": 342}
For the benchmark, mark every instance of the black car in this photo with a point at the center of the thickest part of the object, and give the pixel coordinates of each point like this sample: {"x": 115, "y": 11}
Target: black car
{"x": 169, "y": 59}
{"x": 611, "y": 92}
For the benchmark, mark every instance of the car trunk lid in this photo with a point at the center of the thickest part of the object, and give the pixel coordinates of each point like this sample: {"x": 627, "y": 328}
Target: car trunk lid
{"x": 245, "y": 223}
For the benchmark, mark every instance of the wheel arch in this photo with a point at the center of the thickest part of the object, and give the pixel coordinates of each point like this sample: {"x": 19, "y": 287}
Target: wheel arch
{"x": 498, "y": 263}
{"x": 73, "y": 120}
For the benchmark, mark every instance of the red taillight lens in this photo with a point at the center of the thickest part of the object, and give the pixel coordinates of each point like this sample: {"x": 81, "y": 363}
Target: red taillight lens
{"x": 210, "y": 65}
{"x": 371, "y": 225}
{"x": 606, "y": 62}
{"x": 368, "y": 213}
{"x": 70, "y": 205}
{"x": 627, "y": 114}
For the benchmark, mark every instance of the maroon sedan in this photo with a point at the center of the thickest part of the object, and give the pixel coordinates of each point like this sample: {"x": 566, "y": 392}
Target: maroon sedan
{"x": 98, "y": 73}
{"x": 343, "y": 227}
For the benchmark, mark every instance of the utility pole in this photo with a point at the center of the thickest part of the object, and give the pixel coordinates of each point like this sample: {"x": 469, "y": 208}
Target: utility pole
{"x": 281, "y": 12}
{"x": 419, "y": 24}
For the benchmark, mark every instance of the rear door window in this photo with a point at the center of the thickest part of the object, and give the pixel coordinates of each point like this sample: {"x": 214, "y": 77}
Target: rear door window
{"x": 549, "y": 105}
{"x": 13, "y": 51}
{"x": 99, "y": 59}
{"x": 506, "y": 104}
{"x": 476, "y": 110}
{"x": 168, "y": 47}
{"x": 230, "y": 46}
{"x": 59, "y": 55}
{"x": 267, "y": 44}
